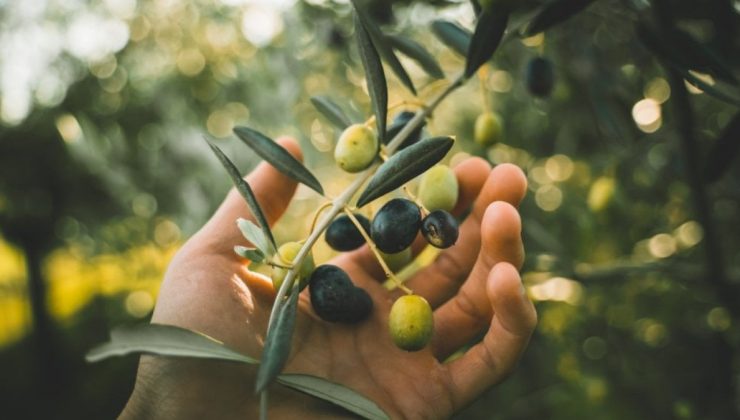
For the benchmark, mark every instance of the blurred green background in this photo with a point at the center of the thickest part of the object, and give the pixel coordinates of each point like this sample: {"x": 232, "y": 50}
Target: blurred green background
{"x": 632, "y": 251}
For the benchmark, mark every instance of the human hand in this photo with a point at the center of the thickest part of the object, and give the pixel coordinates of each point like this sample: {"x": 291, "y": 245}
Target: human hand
{"x": 472, "y": 286}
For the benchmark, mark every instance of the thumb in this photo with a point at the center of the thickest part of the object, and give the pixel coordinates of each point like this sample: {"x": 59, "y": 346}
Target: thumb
{"x": 273, "y": 191}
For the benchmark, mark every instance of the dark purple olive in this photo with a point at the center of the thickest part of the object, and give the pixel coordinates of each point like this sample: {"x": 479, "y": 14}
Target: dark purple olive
{"x": 343, "y": 235}
{"x": 440, "y": 229}
{"x": 540, "y": 77}
{"x": 335, "y": 298}
{"x": 396, "y": 225}
{"x": 398, "y": 123}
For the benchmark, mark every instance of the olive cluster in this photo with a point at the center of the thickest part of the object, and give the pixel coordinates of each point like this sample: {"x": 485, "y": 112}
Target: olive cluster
{"x": 391, "y": 233}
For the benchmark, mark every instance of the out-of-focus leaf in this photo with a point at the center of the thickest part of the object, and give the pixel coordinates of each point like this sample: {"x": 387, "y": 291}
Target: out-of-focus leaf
{"x": 331, "y": 111}
{"x": 278, "y": 342}
{"x": 724, "y": 151}
{"x": 404, "y": 166}
{"x": 726, "y": 95}
{"x": 376, "y": 84}
{"x": 278, "y": 157}
{"x": 164, "y": 340}
{"x": 382, "y": 46}
{"x": 556, "y": 12}
{"x": 487, "y": 36}
{"x": 477, "y": 9}
{"x": 255, "y": 235}
{"x": 246, "y": 191}
{"x": 252, "y": 254}
{"x": 334, "y": 393}
{"x": 453, "y": 35}
{"x": 418, "y": 53}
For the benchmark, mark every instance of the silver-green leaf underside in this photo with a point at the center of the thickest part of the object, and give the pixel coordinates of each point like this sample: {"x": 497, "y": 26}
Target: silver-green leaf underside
{"x": 164, "y": 340}
{"x": 255, "y": 235}
{"x": 278, "y": 157}
{"x": 278, "y": 342}
{"x": 252, "y": 254}
{"x": 404, "y": 166}
{"x": 333, "y": 392}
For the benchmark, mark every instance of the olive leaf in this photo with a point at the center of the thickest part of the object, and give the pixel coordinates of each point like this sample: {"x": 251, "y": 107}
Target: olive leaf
{"x": 246, "y": 191}
{"x": 487, "y": 36}
{"x": 453, "y": 35}
{"x": 556, "y": 12}
{"x": 331, "y": 111}
{"x": 278, "y": 157}
{"x": 376, "y": 84}
{"x": 164, "y": 340}
{"x": 477, "y": 9}
{"x": 252, "y": 254}
{"x": 333, "y": 392}
{"x": 255, "y": 235}
{"x": 724, "y": 151}
{"x": 404, "y": 166}
{"x": 418, "y": 53}
{"x": 728, "y": 95}
{"x": 381, "y": 46}
{"x": 278, "y": 341}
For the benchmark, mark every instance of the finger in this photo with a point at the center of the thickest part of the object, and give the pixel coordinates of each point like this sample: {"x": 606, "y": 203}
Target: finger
{"x": 471, "y": 175}
{"x": 273, "y": 191}
{"x": 440, "y": 280}
{"x": 491, "y": 360}
{"x": 461, "y": 318}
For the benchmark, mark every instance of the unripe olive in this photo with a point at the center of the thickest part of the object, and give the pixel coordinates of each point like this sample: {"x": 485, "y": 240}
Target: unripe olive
{"x": 398, "y": 260}
{"x": 440, "y": 229}
{"x": 343, "y": 235}
{"x": 285, "y": 256}
{"x": 438, "y": 188}
{"x": 396, "y": 225}
{"x": 399, "y": 122}
{"x": 488, "y": 129}
{"x": 335, "y": 298}
{"x": 411, "y": 322}
{"x": 356, "y": 148}
{"x": 540, "y": 77}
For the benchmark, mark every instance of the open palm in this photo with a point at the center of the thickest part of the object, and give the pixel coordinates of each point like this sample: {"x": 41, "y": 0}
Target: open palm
{"x": 473, "y": 287}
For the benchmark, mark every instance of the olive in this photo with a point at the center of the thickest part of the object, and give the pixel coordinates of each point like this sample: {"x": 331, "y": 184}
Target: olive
{"x": 540, "y": 77}
{"x": 356, "y": 148}
{"x": 399, "y": 122}
{"x": 285, "y": 256}
{"x": 335, "y": 298}
{"x": 438, "y": 188}
{"x": 398, "y": 260}
{"x": 343, "y": 235}
{"x": 488, "y": 129}
{"x": 440, "y": 229}
{"x": 411, "y": 322}
{"x": 395, "y": 225}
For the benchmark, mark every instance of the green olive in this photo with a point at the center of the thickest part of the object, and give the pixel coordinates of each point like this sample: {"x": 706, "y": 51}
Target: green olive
{"x": 356, "y": 148}
{"x": 438, "y": 189}
{"x": 411, "y": 322}
{"x": 398, "y": 260}
{"x": 488, "y": 129}
{"x": 285, "y": 256}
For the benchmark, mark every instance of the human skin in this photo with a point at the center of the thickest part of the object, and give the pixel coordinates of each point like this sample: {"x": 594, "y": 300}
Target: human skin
{"x": 473, "y": 287}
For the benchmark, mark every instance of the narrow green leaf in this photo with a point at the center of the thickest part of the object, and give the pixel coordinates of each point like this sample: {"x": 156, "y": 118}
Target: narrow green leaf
{"x": 278, "y": 157}
{"x": 382, "y": 47}
{"x": 487, "y": 36}
{"x": 334, "y": 393}
{"x": 164, "y": 340}
{"x": 246, "y": 191}
{"x": 728, "y": 95}
{"x": 556, "y": 12}
{"x": 278, "y": 342}
{"x": 404, "y": 166}
{"x": 453, "y": 35}
{"x": 376, "y": 84}
{"x": 255, "y": 235}
{"x": 252, "y": 254}
{"x": 724, "y": 151}
{"x": 418, "y": 53}
{"x": 331, "y": 111}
